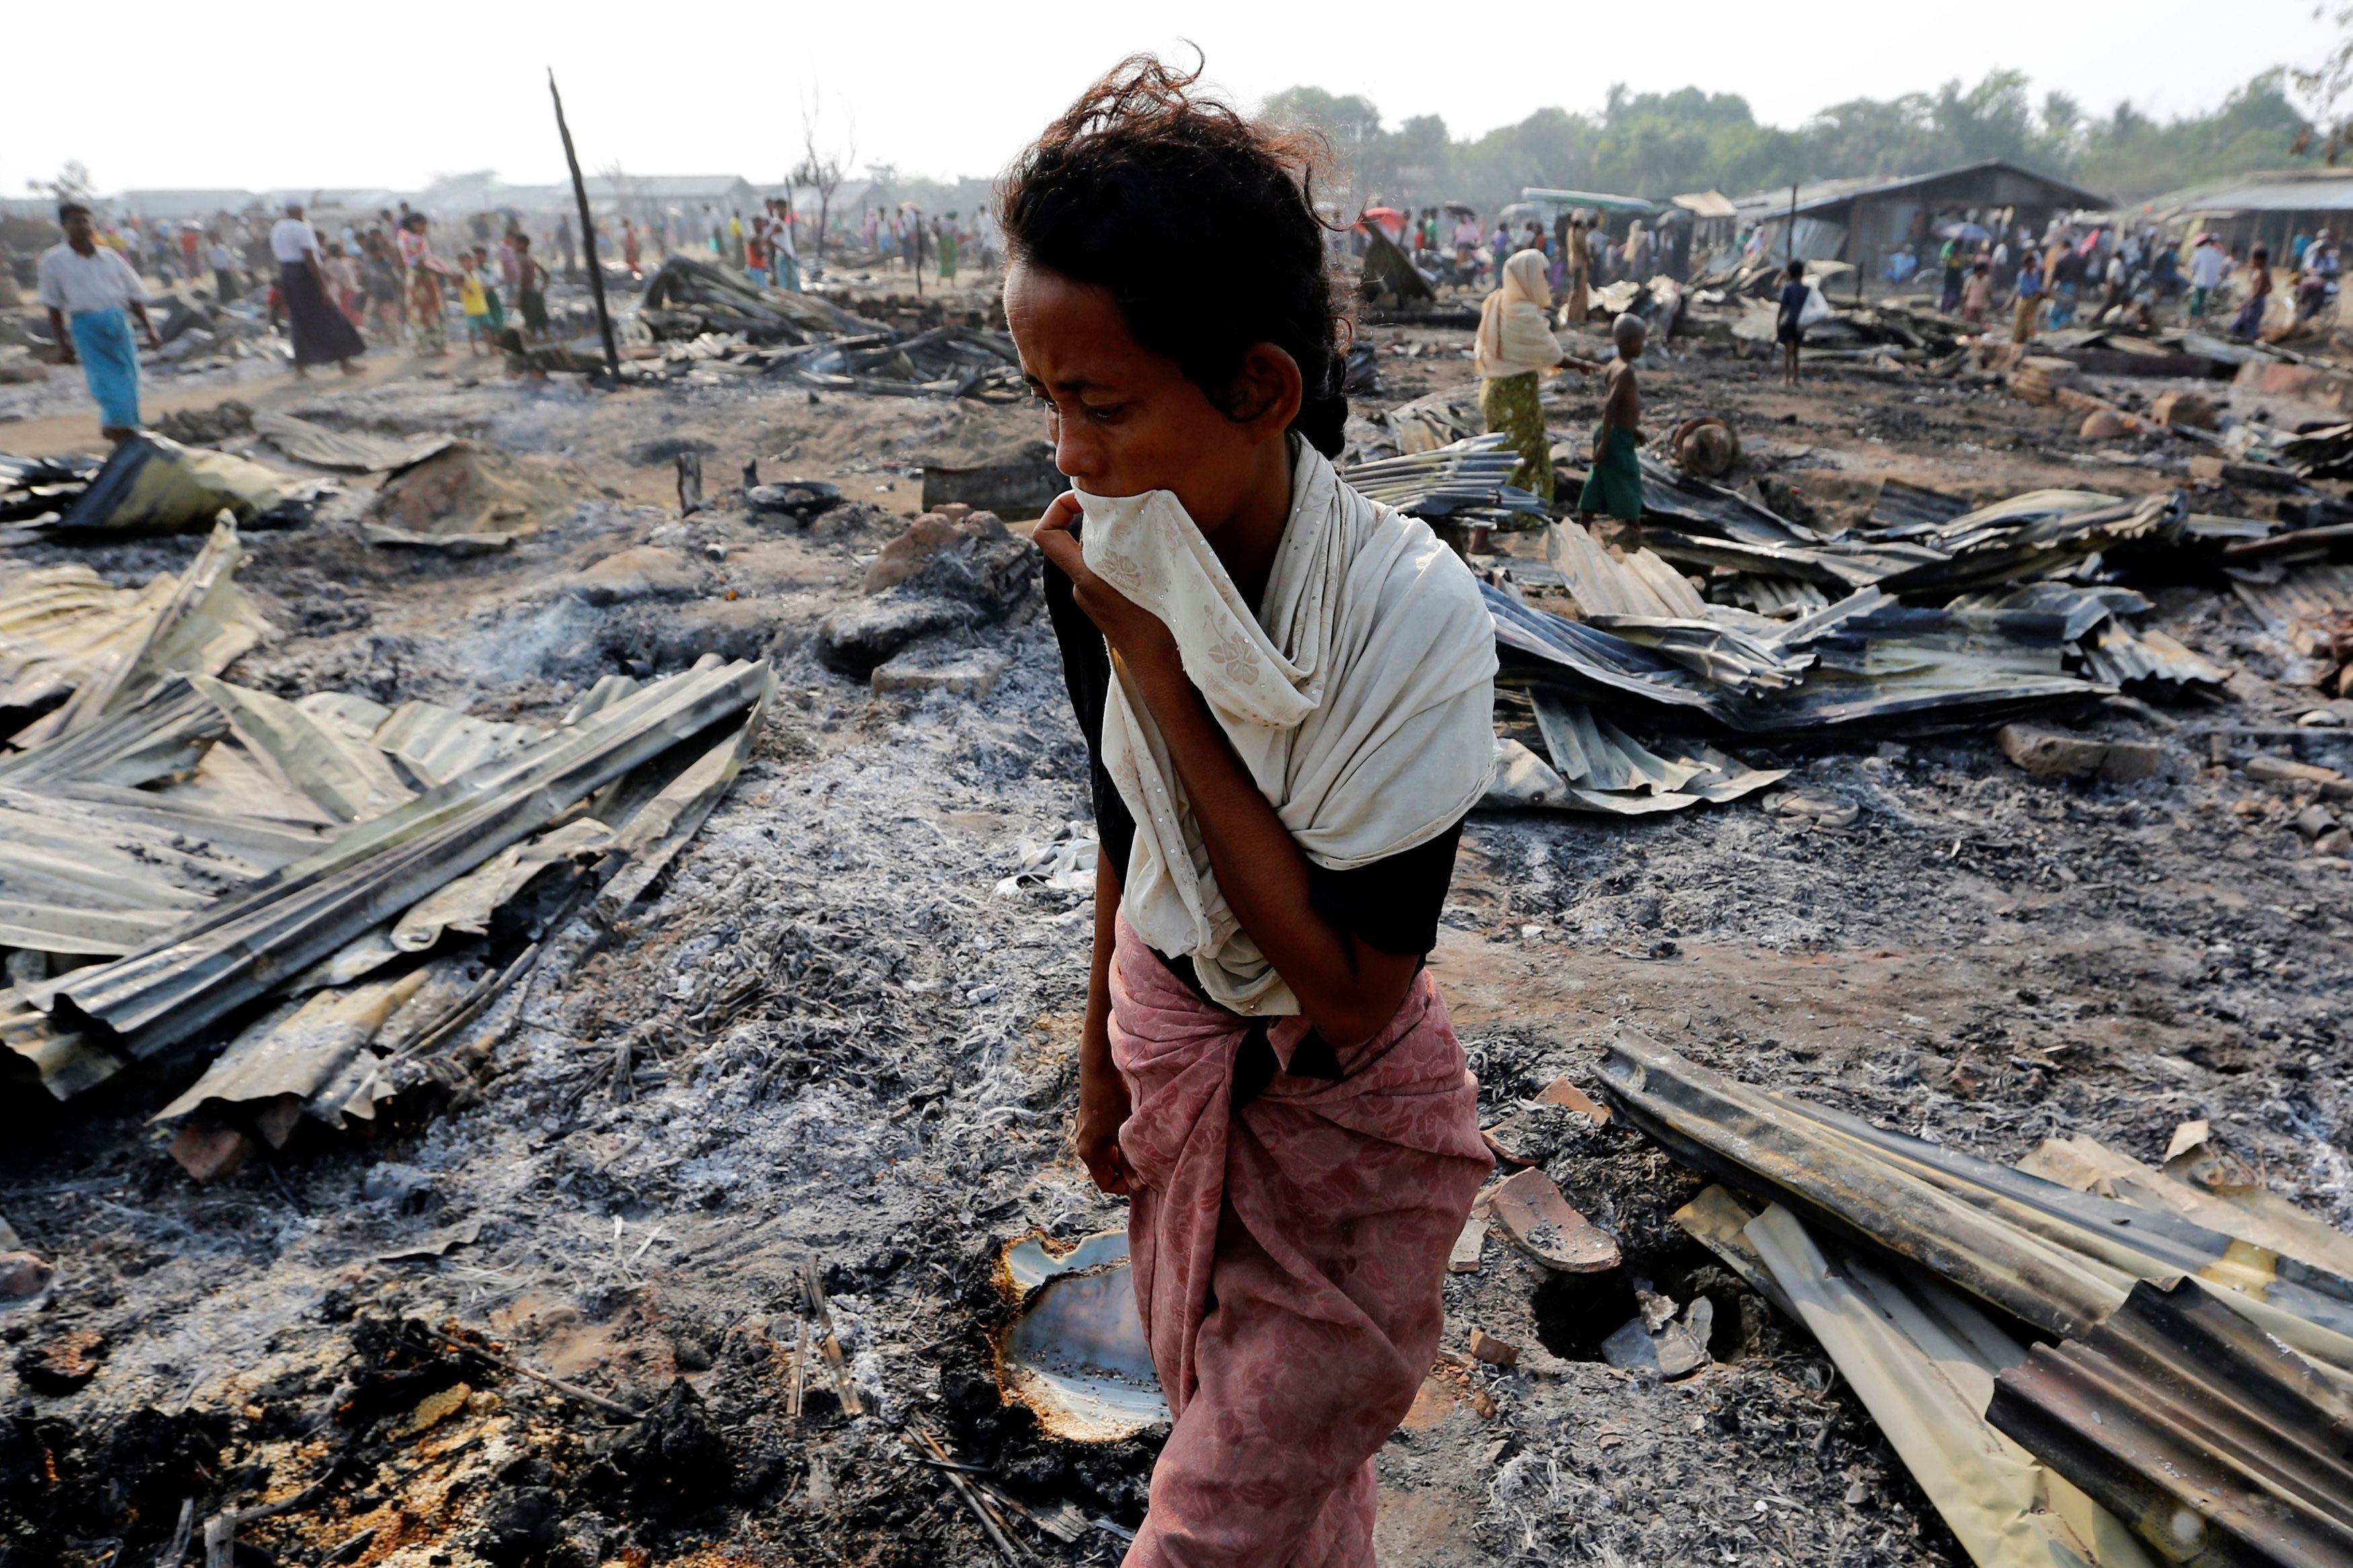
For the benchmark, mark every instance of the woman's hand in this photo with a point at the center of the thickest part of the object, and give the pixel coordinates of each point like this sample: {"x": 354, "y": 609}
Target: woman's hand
{"x": 1103, "y": 1107}
{"x": 1139, "y": 637}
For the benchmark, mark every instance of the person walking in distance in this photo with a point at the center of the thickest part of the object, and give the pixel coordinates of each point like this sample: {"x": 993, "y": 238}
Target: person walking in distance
{"x": 322, "y": 334}
{"x": 2028, "y": 316}
{"x": 1789, "y": 322}
{"x": 92, "y": 295}
{"x": 1511, "y": 351}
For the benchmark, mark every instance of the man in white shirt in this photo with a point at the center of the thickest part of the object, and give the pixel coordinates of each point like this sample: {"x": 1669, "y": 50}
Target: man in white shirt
{"x": 91, "y": 292}
{"x": 2205, "y": 273}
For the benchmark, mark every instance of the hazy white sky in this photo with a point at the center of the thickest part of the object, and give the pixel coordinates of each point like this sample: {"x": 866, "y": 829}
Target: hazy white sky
{"x": 272, "y": 94}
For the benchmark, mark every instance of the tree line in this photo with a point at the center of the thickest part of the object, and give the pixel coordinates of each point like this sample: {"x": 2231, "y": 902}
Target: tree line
{"x": 1658, "y": 144}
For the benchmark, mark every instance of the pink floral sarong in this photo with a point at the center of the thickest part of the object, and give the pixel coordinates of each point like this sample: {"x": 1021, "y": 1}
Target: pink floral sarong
{"x": 1287, "y": 1259}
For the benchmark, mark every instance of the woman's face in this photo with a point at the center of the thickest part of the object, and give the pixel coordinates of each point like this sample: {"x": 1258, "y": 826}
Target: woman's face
{"x": 1125, "y": 420}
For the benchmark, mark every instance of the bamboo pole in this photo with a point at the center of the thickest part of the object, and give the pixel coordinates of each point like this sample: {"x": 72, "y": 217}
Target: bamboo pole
{"x": 588, "y": 236}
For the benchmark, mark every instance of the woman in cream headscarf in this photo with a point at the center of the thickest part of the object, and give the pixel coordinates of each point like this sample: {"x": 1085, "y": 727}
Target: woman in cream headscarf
{"x": 1513, "y": 348}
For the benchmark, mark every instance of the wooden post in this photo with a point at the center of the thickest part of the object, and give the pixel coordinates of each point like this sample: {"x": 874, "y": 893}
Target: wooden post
{"x": 588, "y": 236}
{"x": 1788, "y": 240}
{"x": 917, "y": 227}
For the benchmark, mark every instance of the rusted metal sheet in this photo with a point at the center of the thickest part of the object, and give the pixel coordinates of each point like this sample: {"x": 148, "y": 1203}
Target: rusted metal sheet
{"x": 1777, "y": 1152}
{"x": 2143, "y": 1241}
{"x": 1922, "y": 1359}
{"x": 324, "y": 448}
{"x": 2054, "y": 1258}
{"x": 2217, "y": 1444}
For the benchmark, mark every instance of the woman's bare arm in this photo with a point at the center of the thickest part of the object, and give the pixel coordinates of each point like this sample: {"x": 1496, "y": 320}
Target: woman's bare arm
{"x": 1103, "y": 1104}
{"x": 1347, "y": 990}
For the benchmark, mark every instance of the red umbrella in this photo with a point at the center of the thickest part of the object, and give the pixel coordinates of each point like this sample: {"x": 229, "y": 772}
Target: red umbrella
{"x": 1389, "y": 218}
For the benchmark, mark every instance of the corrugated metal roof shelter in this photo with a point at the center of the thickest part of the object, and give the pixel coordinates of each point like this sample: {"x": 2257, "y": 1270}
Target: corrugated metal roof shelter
{"x": 1706, "y": 203}
{"x": 1862, "y": 219}
{"x": 1543, "y": 196}
{"x": 2267, "y": 207}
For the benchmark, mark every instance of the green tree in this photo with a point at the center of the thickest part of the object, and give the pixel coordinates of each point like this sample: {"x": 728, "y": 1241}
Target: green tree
{"x": 1656, "y": 145}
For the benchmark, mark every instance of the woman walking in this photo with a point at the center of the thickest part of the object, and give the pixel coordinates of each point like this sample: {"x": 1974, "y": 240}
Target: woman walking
{"x": 322, "y": 334}
{"x": 1513, "y": 348}
{"x": 1286, "y": 692}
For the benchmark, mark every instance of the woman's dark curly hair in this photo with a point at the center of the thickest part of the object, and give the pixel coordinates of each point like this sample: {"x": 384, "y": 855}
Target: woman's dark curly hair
{"x": 1199, "y": 222}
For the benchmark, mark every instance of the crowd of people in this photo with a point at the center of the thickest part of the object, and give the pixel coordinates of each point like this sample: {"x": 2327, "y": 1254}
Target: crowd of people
{"x": 393, "y": 278}
{"x": 2113, "y": 277}
{"x": 767, "y": 245}
{"x": 1456, "y": 248}
{"x": 394, "y": 275}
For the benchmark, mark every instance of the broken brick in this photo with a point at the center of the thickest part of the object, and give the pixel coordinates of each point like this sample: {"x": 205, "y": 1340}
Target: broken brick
{"x": 209, "y": 1150}
{"x": 1542, "y": 1224}
{"x": 1560, "y": 1092}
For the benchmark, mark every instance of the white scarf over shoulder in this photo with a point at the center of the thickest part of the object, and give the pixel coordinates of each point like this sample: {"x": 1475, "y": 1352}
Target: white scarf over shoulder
{"x": 1361, "y": 700}
{"x": 1512, "y": 338}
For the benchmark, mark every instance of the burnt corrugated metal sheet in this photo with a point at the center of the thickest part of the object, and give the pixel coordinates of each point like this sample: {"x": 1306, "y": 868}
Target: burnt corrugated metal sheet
{"x": 2216, "y": 1443}
{"x": 1669, "y": 492}
{"x": 1872, "y": 661}
{"x": 2201, "y": 1392}
{"x": 2313, "y": 596}
{"x": 1779, "y": 1153}
{"x": 2029, "y": 535}
{"x": 2147, "y": 1243}
{"x": 1466, "y": 483}
{"x": 160, "y": 735}
{"x": 1905, "y": 510}
{"x": 2052, "y": 1257}
{"x": 2117, "y": 654}
{"x": 246, "y": 942}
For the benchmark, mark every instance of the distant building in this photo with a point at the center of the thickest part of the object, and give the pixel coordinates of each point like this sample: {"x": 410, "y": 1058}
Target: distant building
{"x": 1548, "y": 206}
{"x": 1864, "y": 220}
{"x": 2268, "y": 208}
{"x": 175, "y": 205}
{"x": 642, "y": 197}
{"x": 1714, "y": 220}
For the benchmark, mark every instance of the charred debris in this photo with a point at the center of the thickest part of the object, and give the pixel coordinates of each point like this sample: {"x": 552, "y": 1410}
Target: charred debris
{"x": 279, "y": 922}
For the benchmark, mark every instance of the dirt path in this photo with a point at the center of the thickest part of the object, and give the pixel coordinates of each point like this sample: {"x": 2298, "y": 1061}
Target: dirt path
{"x": 56, "y": 434}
